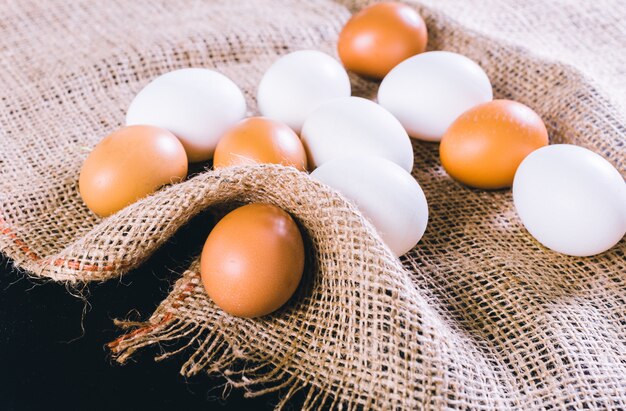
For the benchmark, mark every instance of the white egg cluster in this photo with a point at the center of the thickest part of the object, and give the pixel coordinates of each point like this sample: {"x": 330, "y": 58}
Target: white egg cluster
{"x": 356, "y": 146}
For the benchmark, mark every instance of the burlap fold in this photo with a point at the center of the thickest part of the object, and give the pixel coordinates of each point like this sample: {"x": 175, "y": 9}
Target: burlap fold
{"x": 477, "y": 316}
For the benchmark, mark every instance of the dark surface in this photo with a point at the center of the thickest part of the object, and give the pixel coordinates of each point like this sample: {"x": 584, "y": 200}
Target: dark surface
{"x": 48, "y": 362}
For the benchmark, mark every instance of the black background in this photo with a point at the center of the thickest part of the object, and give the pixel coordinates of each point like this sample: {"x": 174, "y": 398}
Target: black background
{"x": 48, "y": 362}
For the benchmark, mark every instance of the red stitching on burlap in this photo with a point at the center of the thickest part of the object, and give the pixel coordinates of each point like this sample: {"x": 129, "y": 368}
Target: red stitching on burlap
{"x": 6, "y": 230}
{"x": 139, "y": 331}
{"x": 76, "y": 265}
{"x": 72, "y": 264}
{"x": 187, "y": 290}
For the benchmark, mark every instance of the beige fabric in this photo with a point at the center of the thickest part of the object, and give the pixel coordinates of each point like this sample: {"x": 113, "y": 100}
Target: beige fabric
{"x": 477, "y": 316}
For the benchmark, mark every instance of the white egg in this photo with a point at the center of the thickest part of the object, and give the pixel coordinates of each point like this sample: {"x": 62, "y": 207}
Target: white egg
{"x": 385, "y": 193}
{"x": 352, "y": 126}
{"x": 427, "y": 92}
{"x": 297, "y": 83}
{"x": 571, "y": 199}
{"x": 197, "y": 105}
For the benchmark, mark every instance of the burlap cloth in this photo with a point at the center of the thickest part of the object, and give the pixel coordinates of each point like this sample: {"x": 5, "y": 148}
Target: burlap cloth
{"x": 477, "y": 316}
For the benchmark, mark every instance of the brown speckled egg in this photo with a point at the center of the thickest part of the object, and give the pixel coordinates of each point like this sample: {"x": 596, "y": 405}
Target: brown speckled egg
{"x": 253, "y": 260}
{"x": 259, "y": 140}
{"x": 128, "y": 165}
{"x": 379, "y": 37}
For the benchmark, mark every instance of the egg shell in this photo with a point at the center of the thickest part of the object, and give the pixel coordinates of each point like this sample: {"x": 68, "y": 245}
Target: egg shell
{"x": 571, "y": 200}
{"x": 258, "y": 140}
{"x": 429, "y": 91}
{"x": 385, "y": 193}
{"x": 253, "y": 260}
{"x": 297, "y": 83}
{"x": 197, "y": 105}
{"x": 486, "y": 144}
{"x": 353, "y": 126}
{"x": 379, "y": 37}
{"x": 130, "y": 164}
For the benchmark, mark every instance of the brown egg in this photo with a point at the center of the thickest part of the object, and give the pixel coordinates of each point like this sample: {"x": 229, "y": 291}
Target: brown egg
{"x": 130, "y": 164}
{"x": 379, "y": 37}
{"x": 259, "y": 140}
{"x": 486, "y": 144}
{"x": 253, "y": 260}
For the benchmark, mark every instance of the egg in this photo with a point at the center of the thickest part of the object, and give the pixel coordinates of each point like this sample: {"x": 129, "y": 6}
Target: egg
{"x": 195, "y": 104}
{"x": 486, "y": 144}
{"x": 355, "y": 126}
{"x": 253, "y": 260}
{"x": 297, "y": 83}
{"x": 429, "y": 91}
{"x": 571, "y": 200}
{"x": 385, "y": 193}
{"x": 258, "y": 140}
{"x": 130, "y": 164}
{"x": 379, "y": 37}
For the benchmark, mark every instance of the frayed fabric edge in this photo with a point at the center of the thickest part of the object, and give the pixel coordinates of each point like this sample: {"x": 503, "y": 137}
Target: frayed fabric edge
{"x": 209, "y": 351}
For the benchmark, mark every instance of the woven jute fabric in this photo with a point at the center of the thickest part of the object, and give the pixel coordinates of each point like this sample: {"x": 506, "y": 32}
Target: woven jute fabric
{"x": 477, "y": 316}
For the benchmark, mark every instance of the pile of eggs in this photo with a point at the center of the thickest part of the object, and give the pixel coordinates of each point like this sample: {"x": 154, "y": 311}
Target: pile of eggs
{"x": 569, "y": 198}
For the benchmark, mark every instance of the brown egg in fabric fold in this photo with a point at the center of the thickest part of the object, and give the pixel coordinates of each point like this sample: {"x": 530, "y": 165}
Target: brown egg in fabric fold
{"x": 259, "y": 140}
{"x": 129, "y": 164}
{"x": 379, "y": 37}
{"x": 253, "y": 260}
